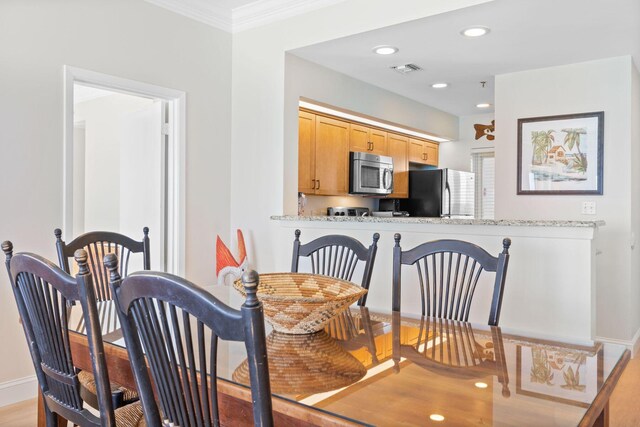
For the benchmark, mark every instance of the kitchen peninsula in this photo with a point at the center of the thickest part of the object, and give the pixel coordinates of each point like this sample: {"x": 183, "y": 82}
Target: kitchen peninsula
{"x": 550, "y": 288}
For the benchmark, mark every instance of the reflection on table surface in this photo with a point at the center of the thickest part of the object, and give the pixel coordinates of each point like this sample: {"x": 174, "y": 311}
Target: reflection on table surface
{"x": 384, "y": 369}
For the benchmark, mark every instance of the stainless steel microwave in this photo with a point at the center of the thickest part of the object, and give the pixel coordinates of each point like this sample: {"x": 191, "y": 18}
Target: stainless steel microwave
{"x": 370, "y": 174}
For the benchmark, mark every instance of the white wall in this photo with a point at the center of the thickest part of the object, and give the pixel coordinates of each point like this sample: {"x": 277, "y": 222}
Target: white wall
{"x": 264, "y": 128}
{"x": 603, "y": 85}
{"x": 126, "y": 38}
{"x": 457, "y": 154}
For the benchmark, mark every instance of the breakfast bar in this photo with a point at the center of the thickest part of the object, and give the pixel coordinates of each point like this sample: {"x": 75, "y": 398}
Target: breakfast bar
{"x": 552, "y": 267}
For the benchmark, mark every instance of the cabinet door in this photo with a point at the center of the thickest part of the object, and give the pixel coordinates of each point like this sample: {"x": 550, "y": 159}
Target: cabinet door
{"x": 398, "y": 150}
{"x": 431, "y": 150}
{"x": 359, "y": 138}
{"x": 379, "y": 142}
{"x": 306, "y": 152}
{"x": 416, "y": 151}
{"x": 332, "y": 156}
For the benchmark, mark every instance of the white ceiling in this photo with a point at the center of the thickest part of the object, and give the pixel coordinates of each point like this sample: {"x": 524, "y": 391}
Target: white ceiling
{"x": 525, "y": 34}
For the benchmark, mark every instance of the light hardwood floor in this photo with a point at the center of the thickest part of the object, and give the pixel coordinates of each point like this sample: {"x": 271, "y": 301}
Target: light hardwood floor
{"x": 624, "y": 407}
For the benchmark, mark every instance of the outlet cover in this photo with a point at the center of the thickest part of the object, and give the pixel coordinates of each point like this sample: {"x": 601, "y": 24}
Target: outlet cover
{"x": 588, "y": 208}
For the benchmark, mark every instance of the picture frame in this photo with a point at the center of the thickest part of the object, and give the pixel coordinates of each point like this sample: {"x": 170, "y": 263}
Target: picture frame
{"x": 565, "y": 375}
{"x": 561, "y": 155}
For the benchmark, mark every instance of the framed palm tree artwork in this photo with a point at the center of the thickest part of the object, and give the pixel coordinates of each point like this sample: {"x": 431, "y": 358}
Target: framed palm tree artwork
{"x": 561, "y": 154}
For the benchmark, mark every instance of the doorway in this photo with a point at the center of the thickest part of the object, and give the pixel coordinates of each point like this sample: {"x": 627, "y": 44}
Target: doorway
{"x": 123, "y": 163}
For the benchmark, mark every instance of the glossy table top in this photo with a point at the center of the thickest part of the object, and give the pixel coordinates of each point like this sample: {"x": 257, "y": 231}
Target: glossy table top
{"x": 384, "y": 369}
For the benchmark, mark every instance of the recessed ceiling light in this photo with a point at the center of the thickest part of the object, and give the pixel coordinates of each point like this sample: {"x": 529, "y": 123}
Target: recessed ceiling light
{"x": 475, "y": 31}
{"x": 481, "y": 385}
{"x": 439, "y": 85}
{"x": 385, "y": 50}
{"x": 483, "y": 105}
{"x": 436, "y": 417}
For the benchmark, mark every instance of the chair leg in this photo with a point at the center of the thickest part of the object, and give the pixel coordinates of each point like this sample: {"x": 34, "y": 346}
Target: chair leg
{"x": 51, "y": 417}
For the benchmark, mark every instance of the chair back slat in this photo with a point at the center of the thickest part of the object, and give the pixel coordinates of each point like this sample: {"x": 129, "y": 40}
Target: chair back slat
{"x": 43, "y": 293}
{"x": 173, "y": 327}
{"x": 337, "y": 256}
{"x": 448, "y": 273}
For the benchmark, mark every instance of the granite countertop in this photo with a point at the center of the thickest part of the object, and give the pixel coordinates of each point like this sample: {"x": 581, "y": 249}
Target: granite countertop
{"x": 446, "y": 221}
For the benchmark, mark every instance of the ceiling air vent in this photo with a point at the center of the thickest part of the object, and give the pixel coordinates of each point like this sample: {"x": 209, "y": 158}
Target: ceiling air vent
{"x": 406, "y": 68}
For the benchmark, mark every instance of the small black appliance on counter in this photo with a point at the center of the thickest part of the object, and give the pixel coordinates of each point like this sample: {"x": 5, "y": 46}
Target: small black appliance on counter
{"x": 340, "y": 211}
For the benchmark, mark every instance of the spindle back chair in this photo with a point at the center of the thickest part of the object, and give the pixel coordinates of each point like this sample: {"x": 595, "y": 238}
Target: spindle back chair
{"x": 448, "y": 273}
{"x": 42, "y": 292}
{"x": 337, "y": 256}
{"x": 98, "y": 244}
{"x": 178, "y": 324}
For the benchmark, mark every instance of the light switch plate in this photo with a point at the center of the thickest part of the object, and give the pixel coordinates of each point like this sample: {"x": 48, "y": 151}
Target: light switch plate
{"x": 588, "y": 208}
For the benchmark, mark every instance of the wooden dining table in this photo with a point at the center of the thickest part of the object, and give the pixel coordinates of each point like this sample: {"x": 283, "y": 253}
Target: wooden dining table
{"x": 386, "y": 369}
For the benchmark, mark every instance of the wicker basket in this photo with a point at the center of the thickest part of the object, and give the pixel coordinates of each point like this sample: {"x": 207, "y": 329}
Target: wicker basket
{"x": 306, "y": 364}
{"x": 297, "y": 303}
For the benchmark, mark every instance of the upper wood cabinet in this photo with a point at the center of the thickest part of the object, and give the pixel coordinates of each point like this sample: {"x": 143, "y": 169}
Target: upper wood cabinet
{"x": 323, "y": 153}
{"x": 423, "y": 152}
{"x": 398, "y": 150}
{"x": 332, "y": 156}
{"x": 368, "y": 140}
{"x": 306, "y": 152}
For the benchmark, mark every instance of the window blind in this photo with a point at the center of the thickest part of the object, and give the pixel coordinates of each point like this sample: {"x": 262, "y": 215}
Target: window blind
{"x": 483, "y": 164}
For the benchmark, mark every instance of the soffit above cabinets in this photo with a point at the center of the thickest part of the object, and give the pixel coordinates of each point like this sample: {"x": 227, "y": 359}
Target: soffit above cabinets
{"x": 239, "y": 15}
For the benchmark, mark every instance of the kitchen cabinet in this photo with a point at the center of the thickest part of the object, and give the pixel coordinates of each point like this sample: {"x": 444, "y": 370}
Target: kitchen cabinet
{"x": 332, "y": 156}
{"x": 398, "y": 150}
{"x": 306, "y": 152}
{"x": 368, "y": 140}
{"x": 323, "y": 155}
{"x": 423, "y": 152}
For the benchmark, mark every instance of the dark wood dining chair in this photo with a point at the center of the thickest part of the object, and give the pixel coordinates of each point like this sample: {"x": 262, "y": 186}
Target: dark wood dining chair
{"x": 448, "y": 272}
{"x": 97, "y": 244}
{"x": 178, "y": 325}
{"x": 337, "y": 256}
{"x": 42, "y": 291}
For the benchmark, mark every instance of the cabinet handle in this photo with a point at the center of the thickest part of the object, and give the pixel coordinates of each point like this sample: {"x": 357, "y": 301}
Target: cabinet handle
{"x": 313, "y": 184}
{"x": 369, "y": 146}
{"x": 318, "y": 181}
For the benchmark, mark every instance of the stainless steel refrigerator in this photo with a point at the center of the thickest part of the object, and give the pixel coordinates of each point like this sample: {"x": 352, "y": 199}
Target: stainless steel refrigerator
{"x": 440, "y": 193}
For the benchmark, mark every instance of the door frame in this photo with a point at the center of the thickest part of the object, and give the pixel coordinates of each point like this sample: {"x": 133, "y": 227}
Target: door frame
{"x": 176, "y": 190}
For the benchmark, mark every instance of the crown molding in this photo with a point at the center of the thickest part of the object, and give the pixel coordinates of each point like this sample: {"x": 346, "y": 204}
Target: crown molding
{"x": 255, "y": 14}
{"x": 264, "y": 12}
{"x": 205, "y": 11}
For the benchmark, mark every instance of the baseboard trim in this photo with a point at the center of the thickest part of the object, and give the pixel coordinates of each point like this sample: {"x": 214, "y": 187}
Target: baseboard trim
{"x": 18, "y": 390}
{"x": 633, "y": 344}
